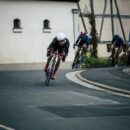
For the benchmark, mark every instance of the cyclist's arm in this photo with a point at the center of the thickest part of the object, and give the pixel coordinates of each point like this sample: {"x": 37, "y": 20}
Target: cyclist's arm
{"x": 67, "y": 47}
{"x": 51, "y": 47}
{"x": 77, "y": 42}
{"x": 52, "y": 44}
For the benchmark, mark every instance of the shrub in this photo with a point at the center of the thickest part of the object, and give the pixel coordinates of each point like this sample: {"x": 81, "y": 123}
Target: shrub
{"x": 95, "y": 62}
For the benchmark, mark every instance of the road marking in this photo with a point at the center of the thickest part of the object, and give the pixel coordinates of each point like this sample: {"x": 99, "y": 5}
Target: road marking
{"x": 102, "y": 101}
{"x": 5, "y": 127}
{"x": 72, "y": 76}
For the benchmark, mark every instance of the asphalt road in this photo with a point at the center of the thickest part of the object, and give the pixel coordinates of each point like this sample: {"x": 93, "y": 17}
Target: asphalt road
{"x": 26, "y": 104}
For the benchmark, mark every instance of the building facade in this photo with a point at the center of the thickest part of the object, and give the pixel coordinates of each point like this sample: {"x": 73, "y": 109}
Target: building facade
{"x": 105, "y": 12}
{"x": 28, "y": 27}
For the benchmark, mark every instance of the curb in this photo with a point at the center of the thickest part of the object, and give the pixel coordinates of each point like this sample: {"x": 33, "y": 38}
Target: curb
{"x": 103, "y": 86}
{"x": 126, "y": 71}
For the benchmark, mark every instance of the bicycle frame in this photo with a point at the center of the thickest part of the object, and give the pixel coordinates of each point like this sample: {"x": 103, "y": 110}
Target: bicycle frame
{"x": 51, "y": 68}
{"x": 78, "y": 60}
{"x": 112, "y": 58}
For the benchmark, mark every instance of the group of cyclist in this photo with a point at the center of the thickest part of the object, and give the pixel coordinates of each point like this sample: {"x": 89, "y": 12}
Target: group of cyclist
{"x": 61, "y": 44}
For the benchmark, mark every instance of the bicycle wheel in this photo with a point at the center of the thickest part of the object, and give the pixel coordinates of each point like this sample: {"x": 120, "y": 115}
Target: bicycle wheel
{"x": 48, "y": 77}
{"x": 76, "y": 63}
{"x": 50, "y": 71}
{"x": 109, "y": 62}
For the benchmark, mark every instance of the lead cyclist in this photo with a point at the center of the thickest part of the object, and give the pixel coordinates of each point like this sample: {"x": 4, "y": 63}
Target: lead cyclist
{"x": 61, "y": 44}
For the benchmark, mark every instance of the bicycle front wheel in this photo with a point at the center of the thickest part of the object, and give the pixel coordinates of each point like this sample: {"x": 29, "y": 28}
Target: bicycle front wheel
{"x": 48, "y": 77}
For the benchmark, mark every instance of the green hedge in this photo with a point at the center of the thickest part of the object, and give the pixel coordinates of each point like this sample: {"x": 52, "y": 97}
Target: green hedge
{"x": 101, "y": 62}
{"x": 94, "y": 62}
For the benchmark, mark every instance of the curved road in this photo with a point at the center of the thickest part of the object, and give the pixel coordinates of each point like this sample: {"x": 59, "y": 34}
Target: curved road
{"x": 26, "y": 104}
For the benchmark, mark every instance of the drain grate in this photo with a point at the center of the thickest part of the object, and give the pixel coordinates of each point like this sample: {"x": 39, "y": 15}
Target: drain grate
{"x": 88, "y": 111}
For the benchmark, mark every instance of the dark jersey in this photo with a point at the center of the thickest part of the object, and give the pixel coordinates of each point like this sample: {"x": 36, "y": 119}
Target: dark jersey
{"x": 118, "y": 41}
{"x": 55, "y": 46}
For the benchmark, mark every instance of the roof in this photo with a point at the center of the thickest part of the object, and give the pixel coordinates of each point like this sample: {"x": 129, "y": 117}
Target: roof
{"x": 63, "y": 0}
{"x": 47, "y": 0}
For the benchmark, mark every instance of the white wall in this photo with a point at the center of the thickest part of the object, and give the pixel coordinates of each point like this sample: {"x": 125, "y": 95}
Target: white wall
{"x": 30, "y": 45}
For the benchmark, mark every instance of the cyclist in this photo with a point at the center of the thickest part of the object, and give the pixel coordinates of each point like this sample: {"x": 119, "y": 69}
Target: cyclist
{"x": 83, "y": 40}
{"x": 61, "y": 44}
{"x": 116, "y": 44}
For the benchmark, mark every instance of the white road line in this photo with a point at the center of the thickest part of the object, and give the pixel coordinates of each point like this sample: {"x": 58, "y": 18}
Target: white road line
{"x": 102, "y": 101}
{"x": 5, "y": 127}
{"x": 71, "y": 76}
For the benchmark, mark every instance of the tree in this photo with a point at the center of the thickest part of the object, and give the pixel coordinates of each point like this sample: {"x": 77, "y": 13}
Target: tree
{"x": 93, "y": 32}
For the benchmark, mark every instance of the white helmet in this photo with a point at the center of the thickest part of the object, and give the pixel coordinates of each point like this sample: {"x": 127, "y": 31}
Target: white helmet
{"x": 60, "y": 36}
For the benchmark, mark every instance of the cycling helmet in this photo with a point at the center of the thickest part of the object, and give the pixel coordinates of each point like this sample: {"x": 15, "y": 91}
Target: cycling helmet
{"x": 60, "y": 36}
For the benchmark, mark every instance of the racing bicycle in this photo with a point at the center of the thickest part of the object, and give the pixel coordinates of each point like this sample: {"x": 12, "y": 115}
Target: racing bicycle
{"x": 113, "y": 57}
{"x": 51, "y": 68}
{"x": 79, "y": 59}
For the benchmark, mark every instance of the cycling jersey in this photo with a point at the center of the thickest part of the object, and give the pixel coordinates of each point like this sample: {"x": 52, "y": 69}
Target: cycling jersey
{"x": 118, "y": 41}
{"x": 83, "y": 39}
{"x": 54, "y": 46}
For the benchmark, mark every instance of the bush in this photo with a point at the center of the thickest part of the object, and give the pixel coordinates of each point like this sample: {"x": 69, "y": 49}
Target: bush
{"x": 95, "y": 62}
{"x": 102, "y": 62}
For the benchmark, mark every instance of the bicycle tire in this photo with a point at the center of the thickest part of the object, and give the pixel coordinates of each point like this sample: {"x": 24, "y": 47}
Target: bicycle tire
{"x": 48, "y": 77}
{"x": 111, "y": 60}
{"x": 75, "y": 65}
{"x": 49, "y": 73}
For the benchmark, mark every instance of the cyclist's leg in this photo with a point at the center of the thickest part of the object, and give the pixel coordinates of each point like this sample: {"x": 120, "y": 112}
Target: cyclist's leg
{"x": 83, "y": 53}
{"x": 84, "y": 46}
{"x": 48, "y": 61}
{"x": 116, "y": 57}
{"x": 119, "y": 49}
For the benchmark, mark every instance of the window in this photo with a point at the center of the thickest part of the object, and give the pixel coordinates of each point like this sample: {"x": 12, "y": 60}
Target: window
{"x": 46, "y": 26}
{"x": 17, "y": 23}
{"x": 17, "y": 26}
